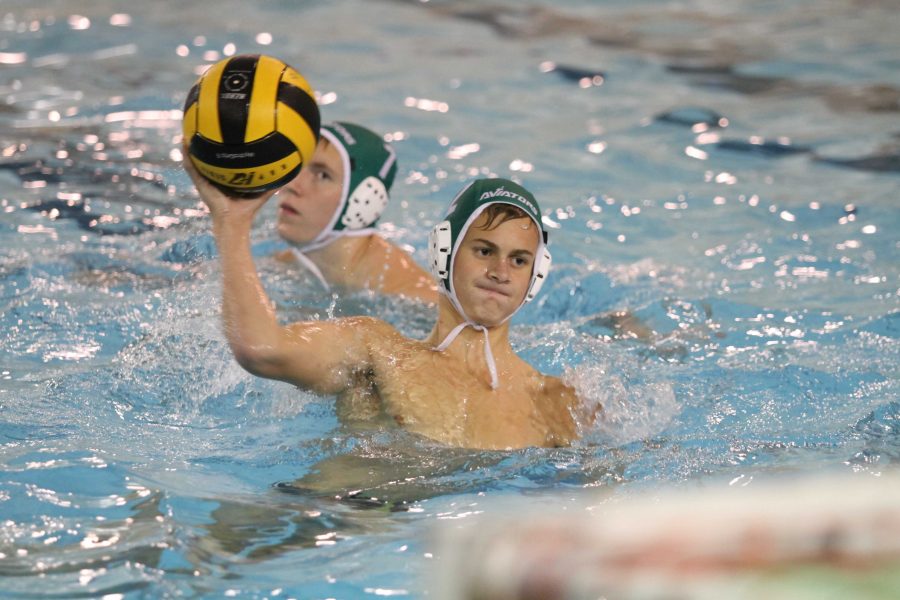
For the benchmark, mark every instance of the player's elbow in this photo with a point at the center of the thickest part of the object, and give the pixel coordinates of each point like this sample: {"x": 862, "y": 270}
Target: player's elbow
{"x": 259, "y": 360}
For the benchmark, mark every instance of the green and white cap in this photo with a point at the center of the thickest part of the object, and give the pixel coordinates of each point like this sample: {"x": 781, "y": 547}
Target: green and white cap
{"x": 370, "y": 165}
{"x": 446, "y": 236}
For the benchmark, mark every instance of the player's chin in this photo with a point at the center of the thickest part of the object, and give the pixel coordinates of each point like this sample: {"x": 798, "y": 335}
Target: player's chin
{"x": 492, "y": 315}
{"x": 289, "y": 234}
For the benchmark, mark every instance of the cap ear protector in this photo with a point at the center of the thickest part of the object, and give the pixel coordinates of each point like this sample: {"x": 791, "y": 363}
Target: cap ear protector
{"x": 366, "y": 203}
{"x": 539, "y": 273}
{"x": 440, "y": 243}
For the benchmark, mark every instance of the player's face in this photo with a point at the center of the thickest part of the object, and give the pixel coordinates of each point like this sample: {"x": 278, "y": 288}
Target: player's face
{"x": 307, "y": 204}
{"x": 492, "y": 268}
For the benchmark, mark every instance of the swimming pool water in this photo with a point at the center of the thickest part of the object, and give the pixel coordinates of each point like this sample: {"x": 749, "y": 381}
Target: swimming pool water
{"x": 729, "y": 174}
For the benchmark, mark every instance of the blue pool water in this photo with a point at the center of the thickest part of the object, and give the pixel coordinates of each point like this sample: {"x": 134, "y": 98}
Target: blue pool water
{"x": 729, "y": 174}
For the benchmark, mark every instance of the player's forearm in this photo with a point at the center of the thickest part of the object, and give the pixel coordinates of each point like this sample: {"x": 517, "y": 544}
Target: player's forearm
{"x": 249, "y": 318}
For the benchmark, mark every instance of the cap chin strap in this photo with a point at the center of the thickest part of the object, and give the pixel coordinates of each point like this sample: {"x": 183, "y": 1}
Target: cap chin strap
{"x": 322, "y": 241}
{"x": 311, "y": 267}
{"x": 488, "y": 355}
{"x": 300, "y": 250}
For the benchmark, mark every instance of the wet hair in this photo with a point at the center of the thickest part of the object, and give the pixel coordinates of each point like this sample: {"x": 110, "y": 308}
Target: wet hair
{"x": 503, "y": 212}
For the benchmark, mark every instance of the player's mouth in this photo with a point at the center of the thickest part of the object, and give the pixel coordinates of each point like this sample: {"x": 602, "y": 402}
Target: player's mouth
{"x": 289, "y": 210}
{"x": 493, "y": 290}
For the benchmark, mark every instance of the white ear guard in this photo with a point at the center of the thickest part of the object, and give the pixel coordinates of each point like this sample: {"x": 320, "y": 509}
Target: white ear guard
{"x": 365, "y": 204}
{"x": 439, "y": 249}
{"x": 539, "y": 274}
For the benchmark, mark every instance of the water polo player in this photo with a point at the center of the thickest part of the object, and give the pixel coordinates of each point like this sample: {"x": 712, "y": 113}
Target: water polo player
{"x": 463, "y": 385}
{"x": 329, "y": 210}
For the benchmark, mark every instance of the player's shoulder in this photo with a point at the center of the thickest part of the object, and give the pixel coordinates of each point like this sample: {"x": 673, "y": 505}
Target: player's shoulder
{"x": 555, "y": 390}
{"x": 402, "y": 274}
{"x": 379, "y": 334}
{"x": 555, "y": 402}
{"x": 554, "y": 384}
{"x": 369, "y": 325}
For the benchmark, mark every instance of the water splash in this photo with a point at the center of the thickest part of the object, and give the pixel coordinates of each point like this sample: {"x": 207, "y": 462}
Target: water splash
{"x": 631, "y": 410}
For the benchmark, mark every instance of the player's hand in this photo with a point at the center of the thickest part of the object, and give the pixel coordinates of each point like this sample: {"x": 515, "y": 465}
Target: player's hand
{"x": 220, "y": 204}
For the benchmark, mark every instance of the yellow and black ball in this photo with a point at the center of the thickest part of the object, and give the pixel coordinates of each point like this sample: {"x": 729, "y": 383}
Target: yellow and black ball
{"x": 250, "y": 122}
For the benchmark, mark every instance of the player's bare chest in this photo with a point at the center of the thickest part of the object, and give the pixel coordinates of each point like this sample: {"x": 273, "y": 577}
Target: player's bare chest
{"x": 456, "y": 405}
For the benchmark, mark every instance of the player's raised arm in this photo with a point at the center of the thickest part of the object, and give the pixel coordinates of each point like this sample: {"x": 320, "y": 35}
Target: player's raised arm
{"x": 320, "y": 356}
